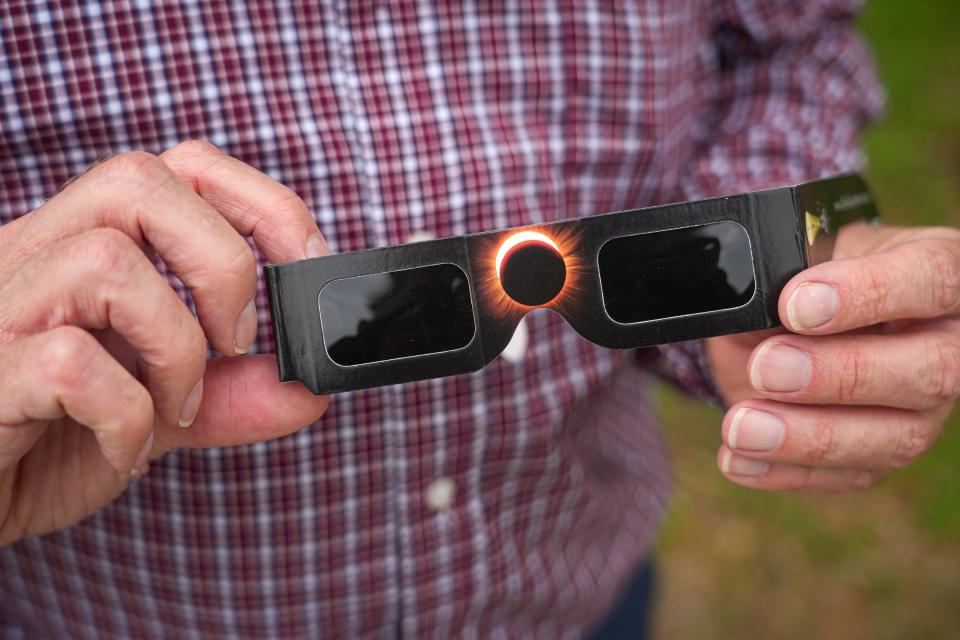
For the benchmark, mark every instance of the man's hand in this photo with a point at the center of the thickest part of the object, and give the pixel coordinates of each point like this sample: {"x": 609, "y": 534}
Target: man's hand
{"x": 866, "y": 385}
{"x": 101, "y": 364}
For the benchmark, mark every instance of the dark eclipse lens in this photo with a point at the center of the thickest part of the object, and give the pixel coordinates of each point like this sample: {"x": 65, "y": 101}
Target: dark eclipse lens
{"x": 395, "y": 315}
{"x": 658, "y": 275}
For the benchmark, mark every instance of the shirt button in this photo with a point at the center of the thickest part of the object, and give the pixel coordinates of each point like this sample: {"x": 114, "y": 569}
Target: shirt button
{"x": 440, "y": 494}
{"x": 421, "y": 236}
{"x": 516, "y": 349}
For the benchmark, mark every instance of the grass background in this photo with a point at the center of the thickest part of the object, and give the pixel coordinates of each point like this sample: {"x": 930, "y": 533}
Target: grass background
{"x": 880, "y": 564}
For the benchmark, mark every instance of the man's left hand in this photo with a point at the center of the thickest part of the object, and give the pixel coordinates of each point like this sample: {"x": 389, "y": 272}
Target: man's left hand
{"x": 867, "y": 375}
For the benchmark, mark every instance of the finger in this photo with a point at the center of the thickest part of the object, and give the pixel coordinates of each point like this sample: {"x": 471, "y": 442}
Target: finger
{"x": 65, "y": 372}
{"x": 917, "y": 369}
{"x": 915, "y": 279}
{"x": 243, "y": 402}
{"x": 254, "y": 203}
{"x": 840, "y": 437}
{"x": 726, "y": 355}
{"x": 139, "y": 195}
{"x": 772, "y": 476}
{"x": 101, "y": 279}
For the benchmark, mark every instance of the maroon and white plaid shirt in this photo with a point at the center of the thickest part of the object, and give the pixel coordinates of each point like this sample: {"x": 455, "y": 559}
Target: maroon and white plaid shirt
{"x": 511, "y": 502}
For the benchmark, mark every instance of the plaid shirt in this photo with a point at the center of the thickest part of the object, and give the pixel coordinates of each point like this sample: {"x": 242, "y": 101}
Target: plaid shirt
{"x": 512, "y": 502}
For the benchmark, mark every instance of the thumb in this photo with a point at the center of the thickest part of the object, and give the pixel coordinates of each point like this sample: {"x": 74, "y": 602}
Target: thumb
{"x": 244, "y": 402}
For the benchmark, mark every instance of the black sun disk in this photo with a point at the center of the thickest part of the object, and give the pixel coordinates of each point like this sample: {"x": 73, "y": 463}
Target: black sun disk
{"x": 532, "y": 272}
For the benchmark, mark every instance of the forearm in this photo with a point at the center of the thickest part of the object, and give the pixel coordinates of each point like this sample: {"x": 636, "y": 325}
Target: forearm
{"x": 792, "y": 87}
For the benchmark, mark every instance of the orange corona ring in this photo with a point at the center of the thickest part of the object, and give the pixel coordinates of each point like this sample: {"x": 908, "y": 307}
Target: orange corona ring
{"x": 530, "y": 268}
{"x": 521, "y": 238}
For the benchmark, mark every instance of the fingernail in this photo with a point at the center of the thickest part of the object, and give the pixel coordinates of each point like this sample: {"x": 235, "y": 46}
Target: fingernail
{"x": 752, "y": 430}
{"x": 737, "y": 466}
{"x": 188, "y": 413}
{"x": 316, "y": 247}
{"x": 245, "y": 330}
{"x": 779, "y": 367}
{"x": 143, "y": 458}
{"x": 812, "y": 305}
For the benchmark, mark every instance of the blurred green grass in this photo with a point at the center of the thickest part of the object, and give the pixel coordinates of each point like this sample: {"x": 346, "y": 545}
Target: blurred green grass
{"x": 880, "y": 564}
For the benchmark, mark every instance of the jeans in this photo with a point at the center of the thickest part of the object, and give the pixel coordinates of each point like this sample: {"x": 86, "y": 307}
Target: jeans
{"x": 630, "y": 618}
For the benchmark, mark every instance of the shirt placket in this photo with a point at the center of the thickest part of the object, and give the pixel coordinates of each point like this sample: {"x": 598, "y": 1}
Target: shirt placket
{"x": 362, "y": 96}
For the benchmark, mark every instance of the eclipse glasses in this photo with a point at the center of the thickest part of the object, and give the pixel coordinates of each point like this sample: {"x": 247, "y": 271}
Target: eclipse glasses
{"x": 621, "y": 280}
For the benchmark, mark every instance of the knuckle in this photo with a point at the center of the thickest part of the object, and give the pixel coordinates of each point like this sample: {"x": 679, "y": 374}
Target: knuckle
{"x": 103, "y": 252}
{"x": 913, "y": 440}
{"x": 943, "y": 260}
{"x": 853, "y": 380}
{"x": 289, "y": 214}
{"x": 187, "y": 351}
{"x": 133, "y": 167}
{"x": 288, "y": 203}
{"x": 822, "y": 445}
{"x": 194, "y": 149}
{"x": 872, "y": 293}
{"x": 240, "y": 263}
{"x": 192, "y": 350}
{"x": 133, "y": 406}
{"x": 195, "y": 343}
{"x": 66, "y": 356}
{"x": 941, "y": 378}
{"x": 140, "y": 412}
{"x": 186, "y": 355}
{"x": 233, "y": 264}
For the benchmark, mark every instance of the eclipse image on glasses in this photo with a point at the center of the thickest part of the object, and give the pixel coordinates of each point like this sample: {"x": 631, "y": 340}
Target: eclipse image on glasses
{"x": 530, "y": 268}
{"x": 622, "y": 280}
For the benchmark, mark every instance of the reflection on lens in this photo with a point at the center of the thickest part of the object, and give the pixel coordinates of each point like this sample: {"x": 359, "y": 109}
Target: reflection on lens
{"x": 658, "y": 275}
{"x": 395, "y": 315}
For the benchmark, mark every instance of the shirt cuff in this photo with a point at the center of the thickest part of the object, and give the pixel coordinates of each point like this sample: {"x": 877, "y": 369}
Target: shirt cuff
{"x": 685, "y": 365}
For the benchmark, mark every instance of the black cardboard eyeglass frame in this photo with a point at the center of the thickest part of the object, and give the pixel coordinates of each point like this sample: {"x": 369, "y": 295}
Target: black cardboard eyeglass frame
{"x": 787, "y": 229}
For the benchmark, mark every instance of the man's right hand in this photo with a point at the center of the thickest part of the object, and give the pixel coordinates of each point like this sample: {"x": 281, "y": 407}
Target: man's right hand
{"x": 102, "y": 364}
